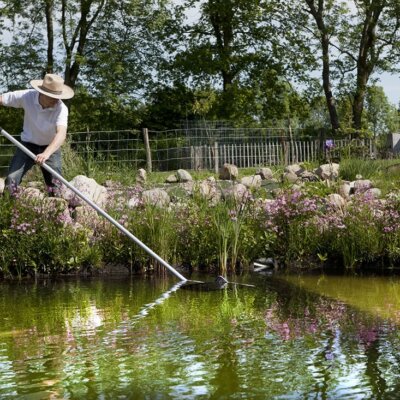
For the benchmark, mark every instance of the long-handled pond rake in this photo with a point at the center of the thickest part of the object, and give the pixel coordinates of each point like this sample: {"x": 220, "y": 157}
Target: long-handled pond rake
{"x": 95, "y": 206}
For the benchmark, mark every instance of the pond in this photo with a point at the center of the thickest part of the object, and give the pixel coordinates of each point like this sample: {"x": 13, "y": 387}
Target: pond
{"x": 290, "y": 337}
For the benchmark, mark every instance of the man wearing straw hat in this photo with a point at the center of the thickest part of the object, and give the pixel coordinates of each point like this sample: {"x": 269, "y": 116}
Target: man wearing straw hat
{"x": 44, "y": 130}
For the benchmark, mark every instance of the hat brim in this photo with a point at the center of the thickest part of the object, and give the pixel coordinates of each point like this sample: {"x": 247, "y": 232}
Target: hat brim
{"x": 67, "y": 92}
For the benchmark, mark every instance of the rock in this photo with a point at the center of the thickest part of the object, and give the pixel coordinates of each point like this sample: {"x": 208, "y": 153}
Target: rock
{"x": 345, "y": 190}
{"x": 87, "y": 186}
{"x": 56, "y": 206}
{"x": 229, "y": 172}
{"x": 307, "y": 176}
{"x": 134, "y": 202}
{"x": 36, "y": 185}
{"x": 141, "y": 176}
{"x": 374, "y": 193}
{"x": 265, "y": 173}
{"x": 362, "y": 185}
{"x": 208, "y": 189}
{"x": 177, "y": 193}
{"x": 31, "y": 194}
{"x": 337, "y": 201}
{"x": 251, "y": 181}
{"x": 290, "y": 177}
{"x": 188, "y": 187}
{"x": 156, "y": 197}
{"x": 171, "y": 179}
{"x": 328, "y": 171}
{"x": 294, "y": 169}
{"x": 86, "y": 216}
{"x": 238, "y": 192}
{"x": 183, "y": 176}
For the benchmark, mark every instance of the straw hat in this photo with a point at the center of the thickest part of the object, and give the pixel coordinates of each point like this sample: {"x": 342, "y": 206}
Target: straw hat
{"x": 53, "y": 86}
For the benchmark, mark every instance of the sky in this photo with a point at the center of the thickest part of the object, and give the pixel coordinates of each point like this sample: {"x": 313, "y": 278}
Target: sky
{"x": 391, "y": 86}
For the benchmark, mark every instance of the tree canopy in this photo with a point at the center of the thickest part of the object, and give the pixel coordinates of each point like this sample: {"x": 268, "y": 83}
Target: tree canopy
{"x": 153, "y": 63}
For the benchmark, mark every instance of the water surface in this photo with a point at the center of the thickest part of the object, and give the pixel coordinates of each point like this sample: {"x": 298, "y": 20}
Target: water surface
{"x": 289, "y": 338}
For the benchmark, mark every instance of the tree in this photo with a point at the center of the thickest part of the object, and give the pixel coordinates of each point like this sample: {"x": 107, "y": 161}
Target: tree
{"x": 230, "y": 47}
{"x": 378, "y": 46}
{"x": 381, "y": 116}
{"x": 355, "y": 38}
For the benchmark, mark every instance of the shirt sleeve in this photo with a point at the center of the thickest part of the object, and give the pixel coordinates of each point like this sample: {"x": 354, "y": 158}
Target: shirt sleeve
{"x": 62, "y": 118}
{"x": 14, "y": 99}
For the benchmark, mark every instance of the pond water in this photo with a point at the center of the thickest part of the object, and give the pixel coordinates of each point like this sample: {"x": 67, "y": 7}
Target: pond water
{"x": 319, "y": 337}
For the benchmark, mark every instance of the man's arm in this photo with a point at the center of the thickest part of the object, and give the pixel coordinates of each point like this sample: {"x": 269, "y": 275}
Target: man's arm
{"x": 1, "y": 100}
{"x": 56, "y": 143}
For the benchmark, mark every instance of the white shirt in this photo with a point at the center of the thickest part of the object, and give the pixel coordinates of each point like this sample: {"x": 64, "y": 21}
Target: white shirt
{"x": 40, "y": 123}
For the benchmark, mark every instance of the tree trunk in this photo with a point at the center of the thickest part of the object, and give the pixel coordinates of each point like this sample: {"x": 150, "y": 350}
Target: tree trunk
{"x": 326, "y": 82}
{"x": 50, "y": 35}
{"x": 79, "y": 37}
{"x": 221, "y": 16}
{"x": 358, "y": 102}
{"x": 318, "y": 15}
{"x": 366, "y": 61}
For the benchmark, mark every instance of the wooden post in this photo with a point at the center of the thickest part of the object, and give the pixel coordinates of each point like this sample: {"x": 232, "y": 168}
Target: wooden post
{"x": 147, "y": 148}
{"x": 216, "y": 158}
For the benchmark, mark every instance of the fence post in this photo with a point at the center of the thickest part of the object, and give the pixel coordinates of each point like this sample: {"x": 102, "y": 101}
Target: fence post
{"x": 147, "y": 148}
{"x": 216, "y": 157}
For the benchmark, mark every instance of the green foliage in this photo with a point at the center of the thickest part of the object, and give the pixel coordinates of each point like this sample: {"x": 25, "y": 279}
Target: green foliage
{"x": 297, "y": 227}
{"x": 37, "y": 238}
{"x": 381, "y": 115}
{"x": 351, "y": 167}
{"x": 168, "y": 107}
{"x": 102, "y": 113}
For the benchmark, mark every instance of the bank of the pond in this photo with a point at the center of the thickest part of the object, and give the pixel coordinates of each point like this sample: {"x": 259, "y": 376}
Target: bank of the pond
{"x": 300, "y": 226}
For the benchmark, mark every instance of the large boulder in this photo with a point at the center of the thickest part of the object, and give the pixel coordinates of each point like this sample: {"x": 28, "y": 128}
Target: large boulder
{"x": 228, "y": 172}
{"x": 265, "y": 173}
{"x": 374, "y": 193}
{"x": 251, "y": 182}
{"x": 31, "y": 194}
{"x": 141, "y": 176}
{"x": 238, "y": 193}
{"x": 183, "y": 176}
{"x": 337, "y": 201}
{"x": 294, "y": 169}
{"x": 57, "y": 206}
{"x": 86, "y": 216}
{"x": 328, "y": 171}
{"x": 208, "y": 189}
{"x": 362, "y": 185}
{"x": 345, "y": 190}
{"x": 290, "y": 177}
{"x": 88, "y": 187}
{"x": 156, "y": 197}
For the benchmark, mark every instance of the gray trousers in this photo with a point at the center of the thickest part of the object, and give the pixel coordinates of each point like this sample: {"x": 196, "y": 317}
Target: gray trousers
{"x": 21, "y": 163}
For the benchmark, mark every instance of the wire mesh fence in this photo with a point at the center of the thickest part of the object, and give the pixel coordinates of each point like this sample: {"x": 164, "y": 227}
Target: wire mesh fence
{"x": 109, "y": 147}
{"x": 196, "y": 149}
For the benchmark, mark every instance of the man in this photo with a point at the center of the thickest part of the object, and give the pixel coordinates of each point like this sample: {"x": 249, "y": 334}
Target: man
{"x": 44, "y": 130}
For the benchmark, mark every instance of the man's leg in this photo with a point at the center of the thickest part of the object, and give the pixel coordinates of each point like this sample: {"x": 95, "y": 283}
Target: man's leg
{"x": 20, "y": 165}
{"x": 53, "y": 185}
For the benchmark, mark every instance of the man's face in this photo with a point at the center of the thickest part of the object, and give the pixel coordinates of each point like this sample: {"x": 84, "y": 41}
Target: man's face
{"x": 46, "y": 101}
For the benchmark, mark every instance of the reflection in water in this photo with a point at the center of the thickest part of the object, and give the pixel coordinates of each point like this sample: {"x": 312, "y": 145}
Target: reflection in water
{"x": 144, "y": 339}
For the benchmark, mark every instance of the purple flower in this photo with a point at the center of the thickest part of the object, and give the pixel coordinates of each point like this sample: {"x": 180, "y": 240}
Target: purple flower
{"x": 329, "y": 144}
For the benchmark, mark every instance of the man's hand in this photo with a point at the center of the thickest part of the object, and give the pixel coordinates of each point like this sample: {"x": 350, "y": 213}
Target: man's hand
{"x": 41, "y": 158}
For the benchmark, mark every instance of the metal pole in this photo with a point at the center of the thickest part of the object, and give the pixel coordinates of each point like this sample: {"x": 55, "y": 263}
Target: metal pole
{"x": 95, "y": 206}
